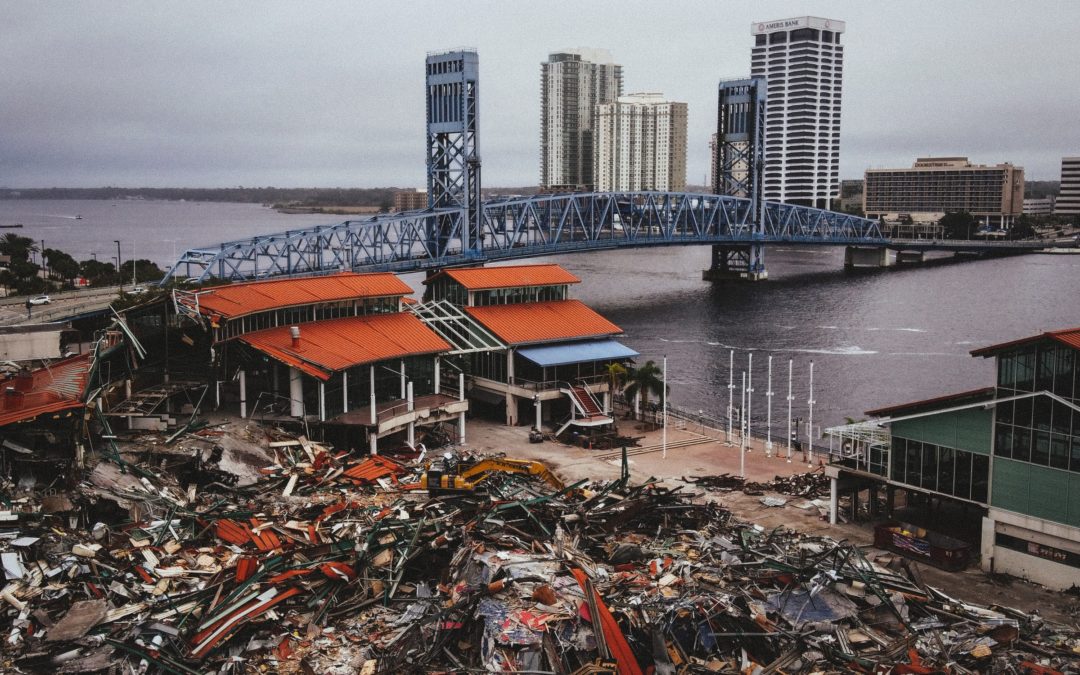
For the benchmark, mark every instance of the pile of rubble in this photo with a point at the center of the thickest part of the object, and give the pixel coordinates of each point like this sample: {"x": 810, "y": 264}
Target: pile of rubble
{"x": 332, "y": 563}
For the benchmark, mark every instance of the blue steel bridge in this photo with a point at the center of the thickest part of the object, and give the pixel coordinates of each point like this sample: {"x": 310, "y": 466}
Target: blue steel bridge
{"x": 542, "y": 225}
{"x": 458, "y": 228}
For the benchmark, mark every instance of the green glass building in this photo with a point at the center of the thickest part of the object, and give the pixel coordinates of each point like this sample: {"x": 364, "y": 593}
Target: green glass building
{"x": 1010, "y": 450}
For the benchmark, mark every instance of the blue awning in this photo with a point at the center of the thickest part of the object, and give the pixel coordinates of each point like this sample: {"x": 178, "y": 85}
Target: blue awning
{"x": 577, "y": 352}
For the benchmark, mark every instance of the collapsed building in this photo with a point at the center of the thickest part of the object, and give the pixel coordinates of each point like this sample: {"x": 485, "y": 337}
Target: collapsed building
{"x": 352, "y": 355}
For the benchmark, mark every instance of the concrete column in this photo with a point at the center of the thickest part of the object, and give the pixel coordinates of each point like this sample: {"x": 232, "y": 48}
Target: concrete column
{"x": 217, "y": 394}
{"x": 296, "y": 392}
{"x": 607, "y": 402}
{"x": 371, "y": 387}
{"x": 539, "y": 413}
{"x": 511, "y": 402}
{"x": 461, "y": 415}
{"x": 373, "y": 442}
{"x": 243, "y": 394}
{"x": 127, "y": 387}
{"x": 322, "y": 401}
{"x": 344, "y": 391}
{"x": 438, "y": 386}
{"x": 402, "y": 378}
{"x": 832, "y": 501}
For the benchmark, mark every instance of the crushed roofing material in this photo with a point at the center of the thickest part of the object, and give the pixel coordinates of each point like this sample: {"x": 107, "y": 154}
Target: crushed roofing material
{"x": 334, "y": 563}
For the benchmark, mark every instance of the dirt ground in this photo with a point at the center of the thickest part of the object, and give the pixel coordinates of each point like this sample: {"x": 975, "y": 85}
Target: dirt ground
{"x": 711, "y": 457}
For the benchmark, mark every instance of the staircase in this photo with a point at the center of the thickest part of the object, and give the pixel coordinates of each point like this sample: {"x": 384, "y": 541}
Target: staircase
{"x": 586, "y": 410}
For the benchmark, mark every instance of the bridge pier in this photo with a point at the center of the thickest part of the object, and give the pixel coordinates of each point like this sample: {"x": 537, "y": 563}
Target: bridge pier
{"x": 865, "y": 257}
{"x": 909, "y": 258}
{"x": 738, "y": 263}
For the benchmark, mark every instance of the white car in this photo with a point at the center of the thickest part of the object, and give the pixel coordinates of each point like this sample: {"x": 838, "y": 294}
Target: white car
{"x": 138, "y": 290}
{"x": 40, "y": 300}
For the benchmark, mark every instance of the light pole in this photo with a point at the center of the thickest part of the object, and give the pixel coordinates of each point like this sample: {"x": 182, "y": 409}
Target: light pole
{"x": 119, "y": 274}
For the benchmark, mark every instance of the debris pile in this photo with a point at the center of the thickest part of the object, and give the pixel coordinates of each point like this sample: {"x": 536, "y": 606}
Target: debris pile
{"x": 332, "y": 563}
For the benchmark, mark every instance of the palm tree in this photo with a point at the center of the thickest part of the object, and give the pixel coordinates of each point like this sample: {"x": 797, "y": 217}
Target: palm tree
{"x": 616, "y": 374}
{"x": 648, "y": 379}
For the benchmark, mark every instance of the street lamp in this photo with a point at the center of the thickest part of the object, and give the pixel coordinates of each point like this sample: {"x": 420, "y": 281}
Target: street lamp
{"x": 119, "y": 274}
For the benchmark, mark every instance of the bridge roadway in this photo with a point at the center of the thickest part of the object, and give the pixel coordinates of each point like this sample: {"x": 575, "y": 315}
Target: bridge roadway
{"x": 541, "y": 225}
{"x": 65, "y": 306}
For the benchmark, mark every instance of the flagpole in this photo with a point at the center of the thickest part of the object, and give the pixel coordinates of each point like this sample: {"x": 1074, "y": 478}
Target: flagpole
{"x": 742, "y": 430}
{"x": 810, "y": 427}
{"x": 749, "y": 398}
{"x": 790, "y": 398}
{"x": 768, "y": 423}
{"x": 730, "y": 392}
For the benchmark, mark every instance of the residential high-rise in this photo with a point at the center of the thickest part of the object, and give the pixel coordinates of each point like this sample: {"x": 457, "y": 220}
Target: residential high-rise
{"x": 573, "y": 82}
{"x": 640, "y": 144}
{"x": 1068, "y": 201}
{"x": 802, "y": 58}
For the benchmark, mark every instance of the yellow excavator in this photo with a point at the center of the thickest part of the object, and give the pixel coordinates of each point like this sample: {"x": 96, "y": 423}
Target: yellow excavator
{"x": 446, "y": 475}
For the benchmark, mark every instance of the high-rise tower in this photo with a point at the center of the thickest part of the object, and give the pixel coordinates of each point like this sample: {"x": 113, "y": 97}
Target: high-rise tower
{"x": 572, "y": 83}
{"x": 640, "y": 144}
{"x": 1068, "y": 202}
{"x": 803, "y": 61}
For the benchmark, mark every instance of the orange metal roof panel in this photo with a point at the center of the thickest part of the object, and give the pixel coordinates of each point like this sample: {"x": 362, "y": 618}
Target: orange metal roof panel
{"x": 337, "y": 344}
{"x": 1067, "y": 336}
{"x": 532, "y": 322}
{"x": 47, "y": 390}
{"x": 510, "y": 276}
{"x": 258, "y": 296}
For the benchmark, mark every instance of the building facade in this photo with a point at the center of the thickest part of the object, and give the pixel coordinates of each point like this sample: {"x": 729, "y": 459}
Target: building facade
{"x": 640, "y": 144}
{"x": 1042, "y": 206}
{"x": 803, "y": 61}
{"x": 572, "y": 83}
{"x": 938, "y": 185}
{"x": 410, "y": 200}
{"x": 1068, "y": 201}
{"x": 1010, "y": 451}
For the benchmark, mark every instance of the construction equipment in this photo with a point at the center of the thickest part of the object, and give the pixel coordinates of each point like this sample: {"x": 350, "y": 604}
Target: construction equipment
{"x": 447, "y": 475}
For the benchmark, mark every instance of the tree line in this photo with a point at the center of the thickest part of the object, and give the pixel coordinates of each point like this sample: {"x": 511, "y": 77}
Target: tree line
{"x": 29, "y": 270}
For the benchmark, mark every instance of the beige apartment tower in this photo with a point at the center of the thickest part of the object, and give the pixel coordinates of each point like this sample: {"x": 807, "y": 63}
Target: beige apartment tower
{"x": 640, "y": 144}
{"x": 934, "y": 186}
{"x": 573, "y": 82}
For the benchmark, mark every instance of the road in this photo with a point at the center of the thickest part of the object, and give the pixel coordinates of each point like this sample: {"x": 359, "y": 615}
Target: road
{"x": 64, "y": 304}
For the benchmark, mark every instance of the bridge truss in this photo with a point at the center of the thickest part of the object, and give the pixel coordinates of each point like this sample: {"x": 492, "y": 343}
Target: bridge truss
{"x": 535, "y": 226}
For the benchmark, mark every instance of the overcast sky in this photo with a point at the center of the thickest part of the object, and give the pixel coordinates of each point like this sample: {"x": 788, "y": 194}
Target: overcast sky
{"x": 218, "y": 94}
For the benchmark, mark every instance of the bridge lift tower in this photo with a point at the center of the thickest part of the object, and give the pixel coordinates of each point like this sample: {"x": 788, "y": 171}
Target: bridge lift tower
{"x": 453, "y": 155}
{"x": 740, "y": 158}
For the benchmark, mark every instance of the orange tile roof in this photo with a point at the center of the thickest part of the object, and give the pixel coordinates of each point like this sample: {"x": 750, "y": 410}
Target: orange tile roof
{"x": 510, "y": 276}
{"x": 47, "y": 390}
{"x": 532, "y": 322}
{"x": 336, "y": 344}
{"x": 1067, "y": 336}
{"x": 258, "y": 296}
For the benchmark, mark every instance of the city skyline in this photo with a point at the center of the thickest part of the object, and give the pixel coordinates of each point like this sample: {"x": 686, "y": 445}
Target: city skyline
{"x": 333, "y": 94}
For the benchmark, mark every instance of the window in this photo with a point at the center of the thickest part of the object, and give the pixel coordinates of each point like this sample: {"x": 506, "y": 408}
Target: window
{"x": 929, "y": 466}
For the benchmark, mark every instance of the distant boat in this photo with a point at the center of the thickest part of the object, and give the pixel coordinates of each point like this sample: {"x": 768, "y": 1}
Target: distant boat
{"x": 11, "y": 227}
{"x": 78, "y": 217}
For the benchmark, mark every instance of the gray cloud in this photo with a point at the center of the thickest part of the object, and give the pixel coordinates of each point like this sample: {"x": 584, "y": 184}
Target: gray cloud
{"x": 280, "y": 93}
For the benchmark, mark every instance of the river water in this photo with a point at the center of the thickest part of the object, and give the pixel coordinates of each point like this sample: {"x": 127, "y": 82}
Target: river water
{"x": 875, "y": 338}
